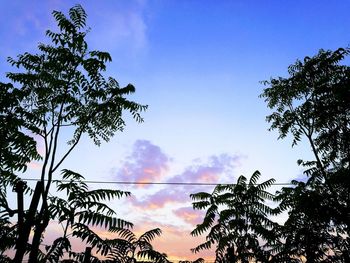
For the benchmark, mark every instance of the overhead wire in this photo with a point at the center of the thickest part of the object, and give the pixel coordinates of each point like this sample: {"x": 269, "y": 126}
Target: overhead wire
{"x": 151, "y": 183}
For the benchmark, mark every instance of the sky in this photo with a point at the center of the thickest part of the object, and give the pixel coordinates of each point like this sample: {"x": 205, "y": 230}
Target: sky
{"x": 198, "y": 65}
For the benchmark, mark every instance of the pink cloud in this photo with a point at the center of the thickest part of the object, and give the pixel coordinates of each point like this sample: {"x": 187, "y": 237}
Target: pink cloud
{"x": 189, "y": 215}
{"x": 161, "y": 198}
{"x": 209, "y": 172}
{"x": 35, "y": 165}
{"x": 147, "y": 163}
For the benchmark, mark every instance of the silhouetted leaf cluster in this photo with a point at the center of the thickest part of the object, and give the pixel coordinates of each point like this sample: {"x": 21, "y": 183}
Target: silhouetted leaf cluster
{"x": 62, "y": 87}
{"x": 314, "y": 103}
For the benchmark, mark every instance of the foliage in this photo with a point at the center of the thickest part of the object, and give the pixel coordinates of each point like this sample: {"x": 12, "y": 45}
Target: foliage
{"x": 59, "y": 88}
{"x": 314, "y": 102}
{"x": 304, "y": 231}
{"x": 7, "y": 237}
{"x": 16, "y": 147}
{"x": 79, "y": 211}
{"x": 127, "y": 248}
{"x": 236, "y": 220}
{"x": 198, "y": 260}
{"x": 16, "y": 150}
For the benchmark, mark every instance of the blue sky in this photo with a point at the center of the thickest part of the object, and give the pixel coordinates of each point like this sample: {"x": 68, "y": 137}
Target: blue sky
{"x": 197, "y": 64}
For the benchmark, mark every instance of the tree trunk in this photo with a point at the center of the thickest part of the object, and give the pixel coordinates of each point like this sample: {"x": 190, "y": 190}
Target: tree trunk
{"x": 24, "y": 235}
{"x": 39, "y": 230}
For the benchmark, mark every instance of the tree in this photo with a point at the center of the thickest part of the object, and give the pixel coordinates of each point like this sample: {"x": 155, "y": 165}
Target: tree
{"x": 78, "y": 212}
{"x": 127, "y": 248}
{"x": 314, "y": 102}
{"x": 16, "y": 150}
{"x": 16, "y": 147}
{"x": 306, "y": 232}
{"x": 237, "y": 220}
{"x": 60, "y": 88}
{"x": 198, "y": 260}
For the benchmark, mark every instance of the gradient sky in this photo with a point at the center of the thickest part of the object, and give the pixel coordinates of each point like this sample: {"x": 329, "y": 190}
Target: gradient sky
{"x": 197, "y": 64}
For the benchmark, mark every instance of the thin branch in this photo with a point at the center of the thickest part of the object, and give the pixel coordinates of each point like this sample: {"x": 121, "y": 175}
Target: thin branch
{"x": 48, "y": 147}
{"x": 68, "y": 152}
{"x": 68, "y": 125}
{"x": 49, "y": 179}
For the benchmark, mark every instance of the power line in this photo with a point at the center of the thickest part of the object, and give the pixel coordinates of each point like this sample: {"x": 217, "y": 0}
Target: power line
{"x": 149, "y": 183}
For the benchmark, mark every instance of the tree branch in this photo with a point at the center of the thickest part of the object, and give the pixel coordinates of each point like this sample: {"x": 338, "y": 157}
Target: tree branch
{"x": 67, "y": 153}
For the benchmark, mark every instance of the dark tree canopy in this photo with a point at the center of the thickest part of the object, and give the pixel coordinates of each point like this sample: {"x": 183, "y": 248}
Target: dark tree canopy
{"x": 236, "y": 220}
{"x": 60, "y": 88}
{"x": 314, "y": 101}
{"x": 127, "y": 247}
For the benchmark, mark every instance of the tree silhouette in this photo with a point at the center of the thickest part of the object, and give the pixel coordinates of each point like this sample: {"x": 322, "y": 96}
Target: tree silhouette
{"x": 59, "y": 88}
{"x": 237, "y": 220}
{"x": 314, "y": 102}
{"x": 7, "y": 237}
{"x": 16, "y": 150}
{"x": 81, "y": 210}
{"x": 198, "y": 260}
{"x": 127, "y": 248}
{"x": 306, "y": 231}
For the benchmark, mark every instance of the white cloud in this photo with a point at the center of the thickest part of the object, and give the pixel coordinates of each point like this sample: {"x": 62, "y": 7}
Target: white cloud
{"x": 119, "y": 28}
